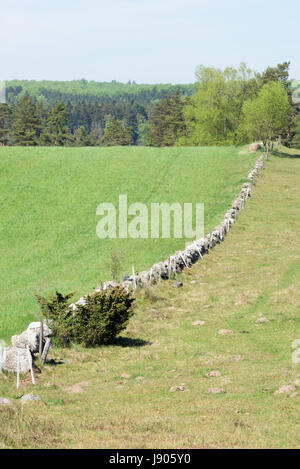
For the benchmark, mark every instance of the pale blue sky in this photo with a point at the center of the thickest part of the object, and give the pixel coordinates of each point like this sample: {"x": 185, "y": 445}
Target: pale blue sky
{"x": 148, "y": 41}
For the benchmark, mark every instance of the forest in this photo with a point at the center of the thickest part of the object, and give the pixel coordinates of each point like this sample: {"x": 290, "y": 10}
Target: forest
{"x": 215, "y": 110}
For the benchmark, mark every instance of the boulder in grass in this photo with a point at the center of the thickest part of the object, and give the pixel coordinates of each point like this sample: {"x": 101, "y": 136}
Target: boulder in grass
{"x": 10, "y": 359}
{"x": 177, "y": 284}
{"x": 254, "y": 147}
{"x": 225, "y": 331}
{"x": 181, "y": 388}
{"x": 4, "y": 401}
{"x": 216, "y": 391}
{"x": 29, "y": 397}
{"x": 31, "y": 337}
{"x": 198, "y": 323}
{"x": 285, "y": 389}
{"x": 213, "y": 374}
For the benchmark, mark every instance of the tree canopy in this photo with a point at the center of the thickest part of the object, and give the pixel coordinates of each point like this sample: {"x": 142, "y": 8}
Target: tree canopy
{"x": 213, "y": 114}
{"x": 266, "y": 117}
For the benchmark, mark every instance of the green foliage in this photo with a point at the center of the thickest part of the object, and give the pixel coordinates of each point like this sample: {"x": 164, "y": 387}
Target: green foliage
{"x": 90, "y": 88}
{"x": 295, "y": 141}
{"x": 103, "y": 317}
{"x": 277, "y": 74}
{"x": 166, "y": 122}
{"x": 83, "y": 139}
{"x": 82, "y": 113}
{"x": 58, "y": 315}
{"x": 213, "y": 114}
{"x": 92, "y": 104}
{"x": 5, "y": 122}
{"x": 97, "y": 322}
{"x": 266, "y": 117}
{"x": 27, "y": 124}
{"x": 116, "y": 133}
{"x": 57, "y": 131}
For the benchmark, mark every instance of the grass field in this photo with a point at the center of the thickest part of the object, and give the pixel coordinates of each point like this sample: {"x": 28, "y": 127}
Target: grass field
{"x": 255, "y": 273}
{"x": 48, "y": 204}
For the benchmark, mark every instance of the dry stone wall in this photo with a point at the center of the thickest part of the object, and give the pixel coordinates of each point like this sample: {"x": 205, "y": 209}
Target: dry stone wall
{"x": 184, "y": 259}
{"x": 164, "y": 270}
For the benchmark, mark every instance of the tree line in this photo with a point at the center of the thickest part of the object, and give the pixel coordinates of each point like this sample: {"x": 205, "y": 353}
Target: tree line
{"x": 230, "y": 107}
{"x": 226, "y": 107}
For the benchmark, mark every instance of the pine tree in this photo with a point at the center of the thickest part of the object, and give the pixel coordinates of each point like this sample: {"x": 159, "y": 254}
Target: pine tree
{"x": 166, "y": 121}
{"x": 5, "y": 118}
{"x": 57, "y": 130}
{"x": 26, "y": 125}
{"x": 84, "y": 139}
{"x": 116, "y": 133}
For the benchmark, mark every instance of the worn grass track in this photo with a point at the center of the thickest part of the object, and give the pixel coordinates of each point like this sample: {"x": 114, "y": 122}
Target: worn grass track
{"x": 254, "y": 273}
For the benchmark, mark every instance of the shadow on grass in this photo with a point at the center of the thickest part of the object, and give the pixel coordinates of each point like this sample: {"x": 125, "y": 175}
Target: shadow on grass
{"x": 54, "y": 362}
{"x": 128, "y": 342}
{"x": 282, "y": 154}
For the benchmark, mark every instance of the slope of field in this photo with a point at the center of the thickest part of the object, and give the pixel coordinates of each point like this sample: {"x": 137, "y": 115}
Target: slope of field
{"x": 118, "y": 396}
{"x": 48, "y": 203}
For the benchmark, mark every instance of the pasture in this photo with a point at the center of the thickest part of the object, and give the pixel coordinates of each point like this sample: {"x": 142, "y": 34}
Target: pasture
{"x": 48, "y": 204}
{"x": 119, "y": 396}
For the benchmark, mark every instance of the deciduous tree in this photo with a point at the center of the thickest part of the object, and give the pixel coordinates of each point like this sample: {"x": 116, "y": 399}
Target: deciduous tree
{"x": 266, "y": 117}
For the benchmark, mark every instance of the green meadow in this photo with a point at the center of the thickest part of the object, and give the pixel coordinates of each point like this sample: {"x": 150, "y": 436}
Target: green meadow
{"x": 234, "y": 390}
{"x": 48, "y": 203}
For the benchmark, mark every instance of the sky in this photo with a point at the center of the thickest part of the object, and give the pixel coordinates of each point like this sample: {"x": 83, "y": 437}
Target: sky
{"x": 149, "y": 41}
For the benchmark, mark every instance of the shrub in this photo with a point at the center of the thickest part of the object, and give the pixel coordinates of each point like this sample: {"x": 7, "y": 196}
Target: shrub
{"x": 59, "y": 316}
{"x": 97, "y": 322}
{"x": 103, "y": 317}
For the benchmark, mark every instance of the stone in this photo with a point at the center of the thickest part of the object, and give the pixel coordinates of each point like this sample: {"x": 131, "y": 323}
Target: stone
{"x": 254, "y": 147}
{"x": 216, "y": 391}
{"x": 260, "y": 320}
{"x": 239, "y": 303}
{"x": 178, "y": 388}
{"x": 198, "y": 323}
{"x": 177, "y": 284}
{"x": 225, "y": 331}
{"x": 35, "y": 326}
{"x": 237, "y": 358}
{"x": 82, "y": 301}
{"x": 29, "y": 397}
{"x": 31, "y": 337}
{"x": 125, "y": 376}
{"x": 213, "y": 374}
{"x": 10, "y": 359}
{"x": 4, "y": 401}
{"x": 285, "y": 389}
{"x": 143, "y": 277}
